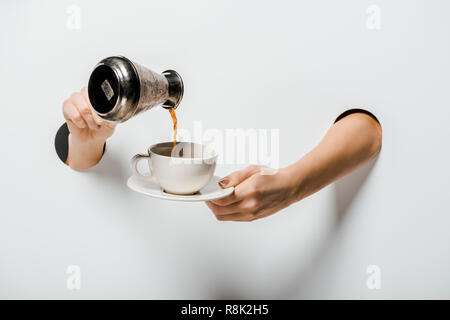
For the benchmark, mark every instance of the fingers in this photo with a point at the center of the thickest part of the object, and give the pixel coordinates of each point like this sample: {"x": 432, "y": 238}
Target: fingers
{"x": 224, "y": 210}
{"x": 79, "y": 114}
{"x": 247, "y": 206}
{"x": 237, "y": 177}
{"x": 237, "y": 202}
{"x": 222, "y": 213}
{"x": 235, "y": 217}
{"x": 71, "y": 114}
{"x": 232, "y": 198}
{"x": 85, "y": 110}
{"x": 97, "y": 119}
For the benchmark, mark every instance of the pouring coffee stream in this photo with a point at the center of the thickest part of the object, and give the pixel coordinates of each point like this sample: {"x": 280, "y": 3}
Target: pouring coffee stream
{"x": 120, "y": 89}
{"x": 174, "y": 120}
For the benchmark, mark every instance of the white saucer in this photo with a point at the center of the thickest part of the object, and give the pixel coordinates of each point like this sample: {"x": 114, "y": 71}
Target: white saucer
{"x": 211, "y": 191}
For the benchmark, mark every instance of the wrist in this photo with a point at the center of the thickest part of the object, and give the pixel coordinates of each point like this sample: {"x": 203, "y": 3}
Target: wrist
{"x": 294, "y": 183}
{"x": 84, "y": 154}
{"x": 89, "y": 141}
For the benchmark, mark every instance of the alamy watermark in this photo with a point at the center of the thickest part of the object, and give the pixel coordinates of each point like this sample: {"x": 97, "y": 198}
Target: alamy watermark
{"x": 73, "y": 281}
{"x": 73, "y": 21}
{"x": 235, "y": 145}
{"x": 373, "y": 281}
{"x": 373, "y": 20}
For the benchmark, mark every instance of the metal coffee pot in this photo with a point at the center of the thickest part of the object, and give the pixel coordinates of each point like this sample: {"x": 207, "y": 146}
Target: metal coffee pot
{"x": 120, "y": 89}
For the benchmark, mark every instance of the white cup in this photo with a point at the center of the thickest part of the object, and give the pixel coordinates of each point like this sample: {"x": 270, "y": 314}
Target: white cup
{"x": 185, "y": 169}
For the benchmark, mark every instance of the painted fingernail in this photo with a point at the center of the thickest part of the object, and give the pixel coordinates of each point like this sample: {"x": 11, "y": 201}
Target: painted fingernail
{"x": 224, "y": 182}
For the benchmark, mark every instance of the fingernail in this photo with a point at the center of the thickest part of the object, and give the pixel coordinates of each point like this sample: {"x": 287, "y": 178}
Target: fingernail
{"x": 224, "y": 182}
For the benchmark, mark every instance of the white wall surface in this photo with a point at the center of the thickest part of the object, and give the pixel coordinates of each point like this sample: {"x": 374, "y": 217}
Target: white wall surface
{"x": 287, "y": 65}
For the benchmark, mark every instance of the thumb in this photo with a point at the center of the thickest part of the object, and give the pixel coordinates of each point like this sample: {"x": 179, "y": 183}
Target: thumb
{"x": 237, "y": 177}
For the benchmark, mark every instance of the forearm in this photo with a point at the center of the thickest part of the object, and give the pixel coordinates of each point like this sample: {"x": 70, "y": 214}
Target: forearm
{"x": 84, "y": 154}
{"x": 347, "y": 145}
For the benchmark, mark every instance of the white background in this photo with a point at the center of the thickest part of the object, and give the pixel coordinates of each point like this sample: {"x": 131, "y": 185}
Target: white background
{"x": 287, "y": 65}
